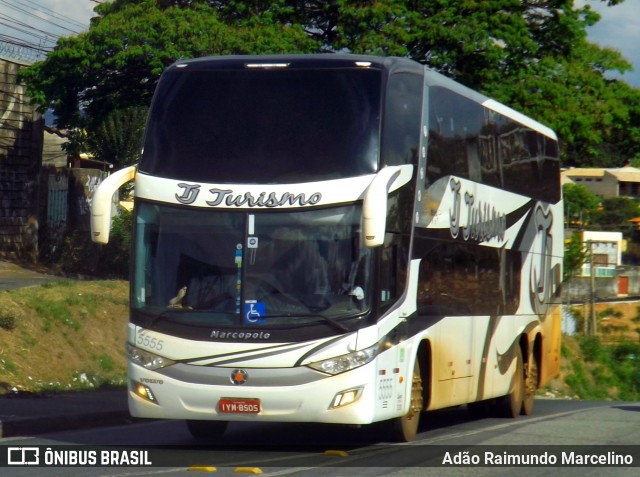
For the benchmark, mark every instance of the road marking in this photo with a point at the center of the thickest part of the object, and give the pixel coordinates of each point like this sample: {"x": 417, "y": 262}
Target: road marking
{"x": 336, "y": 453}
{"x": 512, "y": 423}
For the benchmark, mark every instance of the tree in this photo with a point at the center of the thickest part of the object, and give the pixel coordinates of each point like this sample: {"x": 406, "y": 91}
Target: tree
{"x": 575, "y": 255}
{"x": 117, "y": 63}
{"x": 532, "y": 55}
{"x": 596, "y": 118}
{"x": 118, "y": 139}
{"x": 616, "y": 213}
{"x": 580, "y": 205}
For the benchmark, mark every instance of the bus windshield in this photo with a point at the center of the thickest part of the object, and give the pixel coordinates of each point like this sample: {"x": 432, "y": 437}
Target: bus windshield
{"x": 264, "y": 126}
{"x": 233, "y": 268}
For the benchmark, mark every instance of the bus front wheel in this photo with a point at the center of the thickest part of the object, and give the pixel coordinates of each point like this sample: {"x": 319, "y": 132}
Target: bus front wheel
{"x": 405, "y": 428}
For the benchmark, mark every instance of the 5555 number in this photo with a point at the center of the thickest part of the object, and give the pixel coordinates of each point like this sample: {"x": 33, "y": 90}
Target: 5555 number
{"x": 149, "y": 342}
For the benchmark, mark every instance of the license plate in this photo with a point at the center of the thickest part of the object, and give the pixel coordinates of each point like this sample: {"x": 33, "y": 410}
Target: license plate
{"x": 239, "y": 406}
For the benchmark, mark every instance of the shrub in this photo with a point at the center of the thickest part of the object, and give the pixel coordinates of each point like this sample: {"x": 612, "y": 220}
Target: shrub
{"x": 592, "y": 349}
{"x": 80, "y": 255}
{"x": 7, "y": 321}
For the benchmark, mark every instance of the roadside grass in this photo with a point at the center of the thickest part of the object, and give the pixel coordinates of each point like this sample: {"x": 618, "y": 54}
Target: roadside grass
{"x": 61, "y": 336}
{"x": 593, "y": 369}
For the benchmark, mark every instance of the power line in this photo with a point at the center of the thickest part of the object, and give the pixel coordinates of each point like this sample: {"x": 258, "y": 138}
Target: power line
{"x": 53, "y": 13}
{"x": 27, "y": 29}
{"x": 33, "y": 15}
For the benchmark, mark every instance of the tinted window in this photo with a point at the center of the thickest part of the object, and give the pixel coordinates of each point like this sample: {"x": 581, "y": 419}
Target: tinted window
{"x": 268, "y": 126}
{"x": 470, "y": 141}
{"x": 402, "y": 119}
{"x": 462, "y": 279}
{"x": 455, "y": 124}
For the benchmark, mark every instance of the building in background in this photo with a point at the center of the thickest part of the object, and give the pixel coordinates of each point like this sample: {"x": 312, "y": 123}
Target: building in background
{"x": 606, "y": 249}
{"x": 605, "y": 183}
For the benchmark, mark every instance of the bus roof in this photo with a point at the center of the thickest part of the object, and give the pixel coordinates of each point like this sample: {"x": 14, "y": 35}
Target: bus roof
{"x": 322, "y": 60}
{"x": 336, "y": 60}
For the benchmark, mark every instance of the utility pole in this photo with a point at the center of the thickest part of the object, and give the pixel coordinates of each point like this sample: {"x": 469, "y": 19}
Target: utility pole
{"x": 592, "y": 319}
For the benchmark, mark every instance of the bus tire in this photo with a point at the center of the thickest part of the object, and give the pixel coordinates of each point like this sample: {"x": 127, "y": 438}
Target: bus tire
{"x": 511, "y": 404}
{"x": 405, "y": 428}
{"x": 206, "y": 430}
{"x": 531, "y": 372}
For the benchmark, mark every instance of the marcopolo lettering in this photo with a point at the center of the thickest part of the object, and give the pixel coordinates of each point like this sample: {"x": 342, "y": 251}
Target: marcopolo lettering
{"x": 239, "y": 335}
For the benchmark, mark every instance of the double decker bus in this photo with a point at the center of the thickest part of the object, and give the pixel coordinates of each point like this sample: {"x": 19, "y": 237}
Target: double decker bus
{"x": 337, "y": 239}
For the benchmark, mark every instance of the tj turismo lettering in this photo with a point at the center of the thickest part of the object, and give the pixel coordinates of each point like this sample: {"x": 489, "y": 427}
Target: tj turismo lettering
{"x": 227, "y": 197}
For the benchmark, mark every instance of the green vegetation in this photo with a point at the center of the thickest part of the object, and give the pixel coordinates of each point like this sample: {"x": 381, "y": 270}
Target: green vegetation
{"x": 79, "y": 255}
{"x": 533, "y": 56}
{"x": 66, "y": 335}
{"x": 7, "y": 321}
{"x": 586, "y": 211}
{"x": 599, "y": 371}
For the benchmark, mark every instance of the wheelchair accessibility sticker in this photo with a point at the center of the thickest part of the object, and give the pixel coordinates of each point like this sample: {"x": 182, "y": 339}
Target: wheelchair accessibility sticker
{"x": 254, "y": 312}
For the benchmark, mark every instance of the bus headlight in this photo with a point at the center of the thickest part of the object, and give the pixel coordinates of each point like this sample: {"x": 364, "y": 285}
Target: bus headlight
{"x": 147, "y": 360}
{"x": 346, "y": 397}
{"x": 347, "y": 362}
{"x": 143, "y": 391}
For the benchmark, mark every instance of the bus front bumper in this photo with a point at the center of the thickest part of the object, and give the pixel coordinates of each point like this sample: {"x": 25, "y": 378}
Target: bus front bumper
{"x": 345, "y": 398}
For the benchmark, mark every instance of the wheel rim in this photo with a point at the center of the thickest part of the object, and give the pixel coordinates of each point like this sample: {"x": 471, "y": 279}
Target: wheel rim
{"x": 409, "y": 423}
{"x": 417, "y": 400}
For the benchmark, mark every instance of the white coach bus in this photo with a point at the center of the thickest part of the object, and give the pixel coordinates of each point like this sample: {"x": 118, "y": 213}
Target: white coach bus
{"x": 337, "y": 239}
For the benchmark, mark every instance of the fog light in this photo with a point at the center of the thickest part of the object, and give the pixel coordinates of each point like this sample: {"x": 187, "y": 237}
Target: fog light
{"x": 346, "y": 397}
{"x": 144, "y": 392}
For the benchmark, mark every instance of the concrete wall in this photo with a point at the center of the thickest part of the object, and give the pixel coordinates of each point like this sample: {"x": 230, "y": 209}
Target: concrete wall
{"x": 21, "y": 128}
{"x": 578, "y": 289}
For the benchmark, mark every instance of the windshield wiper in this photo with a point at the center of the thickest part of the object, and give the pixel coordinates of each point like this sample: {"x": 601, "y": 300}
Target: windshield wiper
{"x": 325, "y": 318}
{"x": 164, "y": 314}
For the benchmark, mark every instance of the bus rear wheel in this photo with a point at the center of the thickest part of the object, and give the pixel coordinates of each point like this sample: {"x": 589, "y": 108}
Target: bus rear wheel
{"x": 531, "y": 372}
{"x": 207, "y": 430}
{"x": 405, "y": 428}
{"x": 511, "y": 404}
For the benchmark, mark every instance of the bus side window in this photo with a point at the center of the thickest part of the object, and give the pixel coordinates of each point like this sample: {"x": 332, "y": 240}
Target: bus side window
{"x": 402, "y": 117}
{"x": 461, "y": 279}
{"x": 455, "y": 125}
{"x": 392, "y": 270}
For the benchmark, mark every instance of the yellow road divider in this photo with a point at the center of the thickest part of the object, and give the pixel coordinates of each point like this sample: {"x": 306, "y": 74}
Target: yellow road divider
{"x": 202, "y": 468}
{"x": 336, "y": 453}
{"x": 249, "y": 470}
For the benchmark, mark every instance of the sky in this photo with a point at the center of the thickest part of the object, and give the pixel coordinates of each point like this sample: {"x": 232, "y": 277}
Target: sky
{"x": 619, "y": 27}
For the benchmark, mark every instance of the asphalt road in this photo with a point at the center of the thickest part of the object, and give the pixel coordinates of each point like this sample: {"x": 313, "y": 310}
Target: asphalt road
{"x": 13, "y": 276}
{"x": 310, "y": 450}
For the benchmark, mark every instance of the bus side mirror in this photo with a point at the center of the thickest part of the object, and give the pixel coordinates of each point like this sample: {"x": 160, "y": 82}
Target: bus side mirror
{"x": 101, "y": 203}
{"x": 374, "y": 207}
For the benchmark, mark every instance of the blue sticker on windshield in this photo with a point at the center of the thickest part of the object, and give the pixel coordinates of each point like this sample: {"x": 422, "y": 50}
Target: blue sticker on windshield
{"x": 254, "y": 312}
